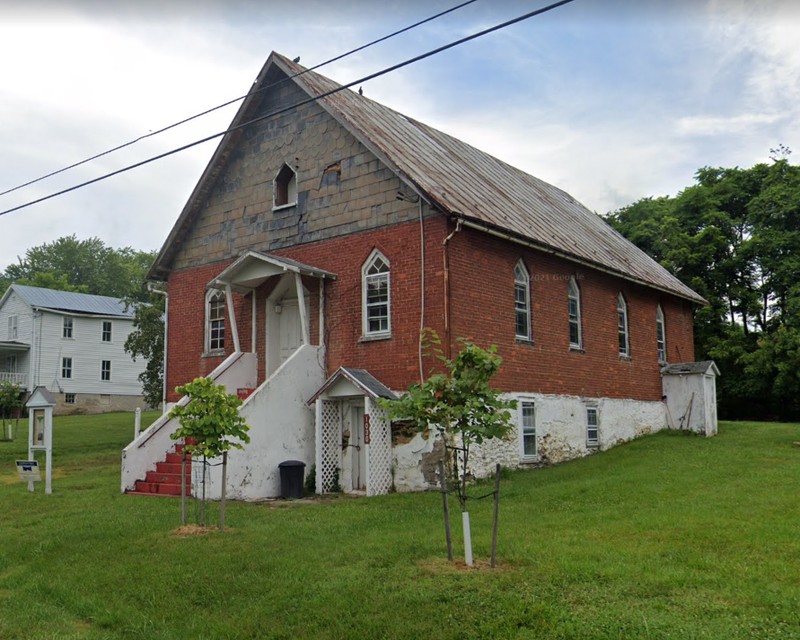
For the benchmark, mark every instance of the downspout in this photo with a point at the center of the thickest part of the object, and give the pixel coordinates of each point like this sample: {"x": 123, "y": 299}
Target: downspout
{"x": 421, "y": 290}
{"x": 152, "y": 289}
{"x": 447, "y": 286}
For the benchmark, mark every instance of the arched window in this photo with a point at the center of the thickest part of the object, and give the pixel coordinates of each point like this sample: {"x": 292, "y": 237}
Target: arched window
{"x": 215, "y": 321}
{"x": 522, "y": 303}
{"x": 661, "y": 335}
{"x": 284, "y": 191}
{"x": 622, "y": 323}
{"x": 574, "y": 300}
{"x": 376, "y": 296}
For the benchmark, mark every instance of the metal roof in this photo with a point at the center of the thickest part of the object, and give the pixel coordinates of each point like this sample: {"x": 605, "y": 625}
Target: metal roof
{"x": 71, "y": 302}
{"x": 362, "y": 379}
{"x": 686, "y": 368}
{"x": 453, "y": 177}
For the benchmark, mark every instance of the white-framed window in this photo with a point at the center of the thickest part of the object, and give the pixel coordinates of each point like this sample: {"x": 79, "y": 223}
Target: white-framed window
{"x": 574, "y": 303}
{"x": 69, "y": 398}
{"x": 622, "y": 326}
{"x": 376, "y": 296}
{"x": 522, "y": 302}
{"x": 12, "y": 327}
{"x": 592, "y": 426}
{"x": 105, "y": 370}
{"x": 661, "y": 335}
{"x": 11, "y": 364}
{"x": 215, "y": 320}
{"x": 66, "y": 368}
{"x": 284, "y": 192}
{"x": 527, "y": 427}
{"x": 106, "y": 331}
{"x": 66, "y": 328}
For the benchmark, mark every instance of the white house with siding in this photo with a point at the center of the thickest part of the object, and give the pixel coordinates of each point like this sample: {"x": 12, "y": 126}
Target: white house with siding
{"x": 72, "y": 344}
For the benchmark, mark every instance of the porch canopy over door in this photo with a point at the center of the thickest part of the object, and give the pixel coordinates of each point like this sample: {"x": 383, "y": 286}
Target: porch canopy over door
{"x": 251, "y": 270}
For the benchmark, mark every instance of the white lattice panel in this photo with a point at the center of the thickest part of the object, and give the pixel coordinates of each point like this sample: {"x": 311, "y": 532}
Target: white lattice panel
{"x": 379, "y": 451}
{"x": 329, "y": 443}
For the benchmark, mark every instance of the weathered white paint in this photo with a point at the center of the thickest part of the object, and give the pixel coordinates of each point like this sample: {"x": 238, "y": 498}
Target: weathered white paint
{"x": 281, "y": 428}
{"x": 560, "y": 433}
{"x": 140, "y": 456}
{"x": 692, "y": 401}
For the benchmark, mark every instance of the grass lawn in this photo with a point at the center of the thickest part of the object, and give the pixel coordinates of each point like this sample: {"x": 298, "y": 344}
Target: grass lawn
{"x": 670, "y": 536}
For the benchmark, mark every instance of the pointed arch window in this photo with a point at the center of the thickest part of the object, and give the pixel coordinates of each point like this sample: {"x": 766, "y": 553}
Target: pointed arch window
{"x": 574, "y": 303}
{"x": 215, "y": 321}
{"x": 284, "y": 192}
{"x": 522, "y": 302}
{"x": 376, "y": 296}
{"x": 661, "y": 335}
{"x": 622, "y": 326}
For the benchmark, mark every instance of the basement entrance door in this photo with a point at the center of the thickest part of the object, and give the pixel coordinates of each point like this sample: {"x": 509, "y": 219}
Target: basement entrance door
{"x": 358, "y": 451}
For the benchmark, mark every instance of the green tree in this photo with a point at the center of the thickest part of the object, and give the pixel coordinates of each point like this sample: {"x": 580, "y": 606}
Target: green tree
{"x": 734, "y": 237}
{"x": 460, "y": 405}
{"x": 147, "y": 341}
{"x": 210, "y": 425}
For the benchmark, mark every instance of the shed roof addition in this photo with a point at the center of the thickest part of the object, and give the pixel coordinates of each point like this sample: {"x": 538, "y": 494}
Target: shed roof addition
{"x": 361, "y": 379}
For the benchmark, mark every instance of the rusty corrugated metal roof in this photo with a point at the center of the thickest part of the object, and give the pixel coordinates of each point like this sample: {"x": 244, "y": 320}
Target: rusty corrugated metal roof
{"x": 475, "y": 186}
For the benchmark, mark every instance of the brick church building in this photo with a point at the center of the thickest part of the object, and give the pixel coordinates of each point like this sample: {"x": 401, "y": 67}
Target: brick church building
{"x": 328, "y": 230}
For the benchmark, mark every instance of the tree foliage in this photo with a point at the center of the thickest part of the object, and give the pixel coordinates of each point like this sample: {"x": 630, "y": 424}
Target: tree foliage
{"x": 210, "y": 422}
{"x": 459, "y": 404}
{"x": 147, "y": 341}
{"x": 734, "y": 237}
{"x": 87, "y": 266}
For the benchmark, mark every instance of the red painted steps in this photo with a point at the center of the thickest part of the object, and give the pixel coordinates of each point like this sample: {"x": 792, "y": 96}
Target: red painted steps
{"x": 166, "y": 479}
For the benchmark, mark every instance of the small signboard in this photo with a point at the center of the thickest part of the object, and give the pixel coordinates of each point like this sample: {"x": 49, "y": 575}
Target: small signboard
{"x": 29, "y": 471}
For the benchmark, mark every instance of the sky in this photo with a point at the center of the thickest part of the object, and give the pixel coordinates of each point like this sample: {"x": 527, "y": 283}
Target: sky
{"x": 610, "y": 100}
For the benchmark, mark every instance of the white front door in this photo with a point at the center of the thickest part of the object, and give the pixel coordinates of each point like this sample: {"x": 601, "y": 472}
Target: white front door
{"x": 290, "y": 331}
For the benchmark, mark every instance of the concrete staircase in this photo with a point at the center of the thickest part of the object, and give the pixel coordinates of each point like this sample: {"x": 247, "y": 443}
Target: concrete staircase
{"x": 166, "y": 479}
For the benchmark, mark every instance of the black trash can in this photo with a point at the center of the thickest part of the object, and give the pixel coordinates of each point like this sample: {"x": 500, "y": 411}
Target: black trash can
{"x": 292, "y": 478}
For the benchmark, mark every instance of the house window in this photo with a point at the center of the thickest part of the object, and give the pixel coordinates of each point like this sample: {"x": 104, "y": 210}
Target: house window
{"x": 66, "y": 368}
{"x": 285, "y": 187}
{"x": 12, "y": 327}
{"x": 105, "y": 370}
{"x": 522, "y": 305}
{"x": 69, "y": 398}
{"x": 106, "y": 331}
{"x": 11, "y": 364}
{"x": 574, "y": 299}
{"x": 622, "y": 324}
{"x": 591, "y": 427}
{"x": 376, "y": 296}
{"x": 661, "y": 341}
{"x": 66, "y": 331}
{"x": 527, "y": 416}
{"x": 215, "y": 323}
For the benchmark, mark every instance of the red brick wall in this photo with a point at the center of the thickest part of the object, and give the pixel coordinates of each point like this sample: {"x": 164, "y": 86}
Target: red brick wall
{"x": 481, "y": 275}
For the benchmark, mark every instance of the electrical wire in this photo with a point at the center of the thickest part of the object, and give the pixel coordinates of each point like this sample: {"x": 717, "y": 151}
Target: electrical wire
{"x": 234, "y": 100}
{"x": 366, "y": 78}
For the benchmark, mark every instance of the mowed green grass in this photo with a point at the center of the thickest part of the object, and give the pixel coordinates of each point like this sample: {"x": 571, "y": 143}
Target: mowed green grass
{"x": 670, "y": 536}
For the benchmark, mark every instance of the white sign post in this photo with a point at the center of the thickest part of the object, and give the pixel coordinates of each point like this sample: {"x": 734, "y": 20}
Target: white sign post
{"x": 40, "y": 435}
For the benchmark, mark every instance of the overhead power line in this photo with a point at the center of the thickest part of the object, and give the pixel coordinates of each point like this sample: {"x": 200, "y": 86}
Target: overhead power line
{"x": 366, "y": 78}
{"x": 234, "y": 100}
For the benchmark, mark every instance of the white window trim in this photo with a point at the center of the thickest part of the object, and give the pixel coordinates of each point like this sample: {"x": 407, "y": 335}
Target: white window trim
{"x": 291, "y": 194}
{"x": 212, "y": 293}
{"x": 521, "y": 403}
{"x": 661, "y": 345}
{"x": 64, "y": 368}
{"x": 593, "y": 443}
{"x": 103, "y": 331}
{"x": 102, "y": 370}
{"x": 623, "y": 326}
{"x": 64, "y": 321}
{"x": 522, "y": 279}
{"x": 574, "y": 293}
{"x": 365, "y": 278}
{"x": 13, "y": 327}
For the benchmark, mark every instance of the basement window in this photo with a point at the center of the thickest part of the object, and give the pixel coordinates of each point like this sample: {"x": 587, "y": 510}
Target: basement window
{"x": 592, "y": 427}
{"x": 527, "y": 425}
{"x": 69, "y": 398}
{"x": 284, "y": 193}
